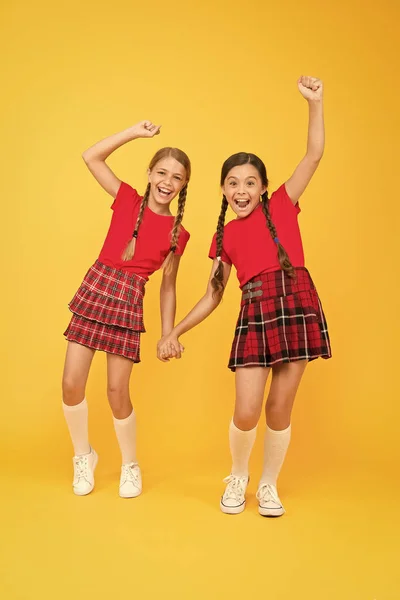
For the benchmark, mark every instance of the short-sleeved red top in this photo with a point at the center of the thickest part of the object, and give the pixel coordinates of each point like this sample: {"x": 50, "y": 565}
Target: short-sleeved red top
{"x": 153, "y": 241}
{"x": 248, "y": 244}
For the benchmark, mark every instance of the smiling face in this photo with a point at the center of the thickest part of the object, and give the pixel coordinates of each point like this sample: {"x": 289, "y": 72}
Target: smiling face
{"x": 242, "y": 188}
{"x": 166, "y": 178}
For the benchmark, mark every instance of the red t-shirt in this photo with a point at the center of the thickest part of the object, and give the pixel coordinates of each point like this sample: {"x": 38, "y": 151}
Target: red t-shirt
{"x": 153, "y": 241}
{"x": 248, "y": 244}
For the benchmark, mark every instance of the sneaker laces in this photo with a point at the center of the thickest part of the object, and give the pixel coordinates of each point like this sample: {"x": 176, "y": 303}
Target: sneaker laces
{"x": 131, "y": 473}
{"x": 236, "y": 487}
{"x": 268, "y": 493}
{"x": 81, "y": 467}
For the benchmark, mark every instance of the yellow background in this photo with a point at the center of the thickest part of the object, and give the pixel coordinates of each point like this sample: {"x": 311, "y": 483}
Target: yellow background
{"x": 221, "y": 78}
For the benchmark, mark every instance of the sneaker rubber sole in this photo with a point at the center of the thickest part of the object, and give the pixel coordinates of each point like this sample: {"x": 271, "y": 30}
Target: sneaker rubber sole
{"x": 232, "y": 510}
{"x": 271, "y": 512}
{"x": 129, "y": 494}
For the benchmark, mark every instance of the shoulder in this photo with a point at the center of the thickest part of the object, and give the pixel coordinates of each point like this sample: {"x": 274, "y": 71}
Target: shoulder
{"x": 280, "y": 193}
{"x": 183, "y": 239}
{"x": 126, "y": 195}
{"x": 231, "y": 226}
{"x": 184, "y": 232}
{"x": 280, "y": 197}
{"x": 128, "y": 190}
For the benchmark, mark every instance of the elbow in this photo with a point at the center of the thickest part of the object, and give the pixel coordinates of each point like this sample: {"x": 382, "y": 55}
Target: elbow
{"x": 86, "y": 156}
{"x": 315, "y": 157}
{"x": 217, "y": 299}
{"x": 167, "y": 288}
{"x": 91, "y": 155}
{"x": 213, "y": 299}
{"x": 319, "y": 156}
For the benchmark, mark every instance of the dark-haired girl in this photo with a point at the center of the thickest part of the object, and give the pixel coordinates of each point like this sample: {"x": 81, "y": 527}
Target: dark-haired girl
{"x": 108, "y": 307}
{"x": 281, "y": 324}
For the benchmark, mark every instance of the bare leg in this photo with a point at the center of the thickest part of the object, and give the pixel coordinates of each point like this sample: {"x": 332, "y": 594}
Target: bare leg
{"x": 286, "y": 378}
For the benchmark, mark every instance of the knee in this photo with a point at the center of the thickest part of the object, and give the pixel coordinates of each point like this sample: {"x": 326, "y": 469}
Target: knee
{"x": 278, "y": 414}
{"x": 275, "y": 407}
{"x": 73, "y": 391}
{"x": 118, "y": 397}
{"x": 246, "y": 418}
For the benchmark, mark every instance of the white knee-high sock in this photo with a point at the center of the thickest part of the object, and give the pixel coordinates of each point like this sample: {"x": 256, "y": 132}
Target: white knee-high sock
{"x": 276, "y": 444}
{"x": 241, "y": 444}
{"x": 77, "y": 421}
{"x": 125, "y": 430}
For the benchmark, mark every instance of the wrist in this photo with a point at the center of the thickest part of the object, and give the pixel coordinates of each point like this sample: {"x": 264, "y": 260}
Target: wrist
{"x": 133, "y": 133}
{"x": 167, "y": 331}
{"x": 315, "y": 103}
{"x": 173, "y": 333}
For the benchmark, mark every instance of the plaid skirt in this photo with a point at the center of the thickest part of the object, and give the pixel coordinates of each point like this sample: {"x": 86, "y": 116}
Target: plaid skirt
{"x": 282, "y": 320}
{"x": 108, "y": 312}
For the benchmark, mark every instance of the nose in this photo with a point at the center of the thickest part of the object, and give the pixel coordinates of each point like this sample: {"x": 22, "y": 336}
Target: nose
{"x": 167, "y": 179}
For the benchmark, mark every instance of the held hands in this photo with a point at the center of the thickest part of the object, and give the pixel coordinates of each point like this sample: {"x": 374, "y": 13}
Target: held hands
{"x": 169, "y": 347}
{"x": 146, "y": 129}
{"x": 310, "y": 88}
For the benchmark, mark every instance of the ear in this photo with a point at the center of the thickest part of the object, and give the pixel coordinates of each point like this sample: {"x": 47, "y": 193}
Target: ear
{"x": 148, "y": 175}
{"x": 263, "y": 189}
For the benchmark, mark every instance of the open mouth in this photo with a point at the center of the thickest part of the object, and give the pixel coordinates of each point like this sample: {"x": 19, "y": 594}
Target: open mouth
{"x": 164, "y": 193}
{"x": 242, "y": 204}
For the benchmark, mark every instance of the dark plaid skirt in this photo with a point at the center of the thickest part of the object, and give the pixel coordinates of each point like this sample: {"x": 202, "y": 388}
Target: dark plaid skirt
{"x": 108, "y": 312}
{"x": 283, "y": 321}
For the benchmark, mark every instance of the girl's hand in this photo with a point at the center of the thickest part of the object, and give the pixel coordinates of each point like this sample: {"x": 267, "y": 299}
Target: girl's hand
{"x": 169, "y": 347}
{"x": 146, "y": 129}
{"x": 310, "y": 88}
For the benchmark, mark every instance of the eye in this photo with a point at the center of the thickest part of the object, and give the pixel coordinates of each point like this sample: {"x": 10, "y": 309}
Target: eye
{"x": 232, "y": 183}
{"x": 250, "y": 183}
{"x": 161, "y": 172}
{"x": 178, "y": 177}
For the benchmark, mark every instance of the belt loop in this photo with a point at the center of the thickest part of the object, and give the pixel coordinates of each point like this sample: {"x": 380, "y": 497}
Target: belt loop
{"x": 249, "y": 294}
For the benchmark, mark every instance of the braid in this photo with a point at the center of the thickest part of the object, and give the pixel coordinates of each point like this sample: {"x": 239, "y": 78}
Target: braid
{"x": 167, "y": 265}
{"x": 218, "y": 280}
{"x": 130, "y": 248}
{"x": 283, "y": 257}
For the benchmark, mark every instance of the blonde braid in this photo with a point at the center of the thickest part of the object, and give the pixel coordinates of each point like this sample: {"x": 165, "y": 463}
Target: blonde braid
{"x": 131, "y": 246}
{"x": 167, "y": 264}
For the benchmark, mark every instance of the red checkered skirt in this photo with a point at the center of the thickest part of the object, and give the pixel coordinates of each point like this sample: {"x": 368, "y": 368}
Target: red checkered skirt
{"x": 283, "y": 323}
{"x": 108, "y": 311}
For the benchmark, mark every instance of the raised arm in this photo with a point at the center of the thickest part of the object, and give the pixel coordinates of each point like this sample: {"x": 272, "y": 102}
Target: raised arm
{"x": 169, "y": 345}
{"x": 312, "y": 90}
{"x": 95, "y": 156}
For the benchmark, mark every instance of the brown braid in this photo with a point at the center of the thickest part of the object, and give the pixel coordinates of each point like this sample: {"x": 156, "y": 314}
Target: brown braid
{"x": 218, "y": 280}
{"x": 283, "y": 257}
{"x": 130, "y": 248}
{"x": 168, "y": 262}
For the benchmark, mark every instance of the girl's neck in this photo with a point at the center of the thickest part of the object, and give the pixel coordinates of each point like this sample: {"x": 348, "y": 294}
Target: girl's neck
{"x": 249, "y": 215}
{"x": 159, "y": 209}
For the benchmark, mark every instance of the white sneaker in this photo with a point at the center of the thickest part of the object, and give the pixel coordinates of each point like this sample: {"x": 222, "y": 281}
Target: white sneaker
{"x": 269, "y": 504}
{"x": 130, "y": 484}
{"x": 233, "y": 500}
{"x": 84, "y": 466}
